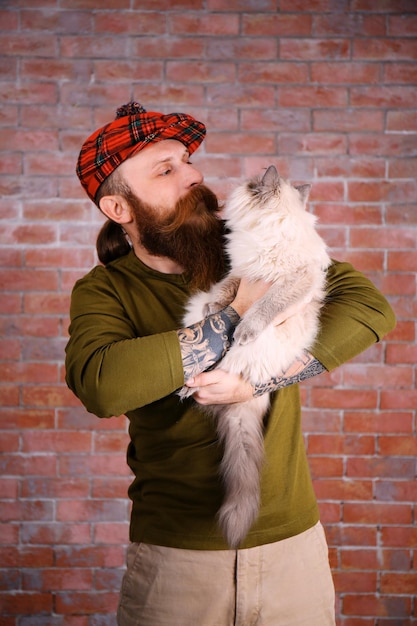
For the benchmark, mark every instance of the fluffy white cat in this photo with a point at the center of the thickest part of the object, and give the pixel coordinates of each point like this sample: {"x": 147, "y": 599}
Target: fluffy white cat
{"x": 272, "y": 237}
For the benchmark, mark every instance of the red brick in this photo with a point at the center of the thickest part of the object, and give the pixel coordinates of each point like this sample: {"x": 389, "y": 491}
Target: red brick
{"x": 398, "y": 445}
{"x": 407, "y": 399}
{"x": 332, "y": 489}
{"x": 398, "y": 73}
{"x": 48, "y": 396}
{"x": 404, "y": 331}
{"x": 383, "y": 238}
{"x": 345, "y": 535}
{"x": 93, "y": 465}
{"x": 399, "y": 583}
{"x": 328, "y": 467}
{"x": 384, "y": 49}
{"x": 402, "y": 261}
{"x": 27, "y": 604}
{"x": 376, "y": 606}
{"x": 362, "y": 559}
{"x": 24, "y": 556}
{"x": 321, "y": 421}
{"x": 106, "y": 533}
{"x": 108, "y": 579}
{"x": 9, "y": 395}
{"x": 46, "y": 303}
{"x": 236, "y": 143}
{"x": 376, "y": 513}
{"x": 19, "y": 465}
{"x": 59, "y": 442}
{"x": 314, "y": 49}
{"x": 277, "y": 73}
{"x": 313, "y": 96}
{"x": 263, "y": 25}
{"x": 111, "y": 442}
{"x": 122, "y": 70}
{"x": 169, "y": 47}
{"x": 349, "y": 582}
{"x": 90, "y": 556}
{"x": 161, "y": 5}
{"x": 382, "y": 145}
{"x": 218, "y": 24}
{"x": 55, "y": 533}
{"x": 402, "y": 353}
{"x": 10, "y": 350}
{"x": 360, "y": 399}
{"x": 239, "y": 5}
{"x": 348, "y": 120}
{"x": 312, "y": 144}
{"x": 341, "y": 444}
{"x": 401, "y": 121}
{"x": 403, "y": 25}
{"x": 56, "y": 488}
{"x": 9, "y": 20}
{"x": 86, "y": 603}
{"x": 9, "y": 487}
{"x": 58, "y": 21}
{"x": 344, "y": 73}
{"x": 246, "y": 97}
{"x": 199, "y": 71}
{"x": 85, "y": 46}
{"x": 137, "y": 23}
{"x": 43, "y": 45}
{"x": 110, "y": 487}
{"x": 28, "y": 234}
{"x": 330, "y": 512}
{"x": 379, "y": 467}
{"x": 395, "y": 559}
{"x": 29, "y": 372}
{"x": 58, "y": 579}
{"x": 378, "y": 375}
{"x": 381, "y": 191}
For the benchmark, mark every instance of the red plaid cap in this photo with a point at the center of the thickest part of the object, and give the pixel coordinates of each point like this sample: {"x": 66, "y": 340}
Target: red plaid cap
{"x": 133, "y": 129}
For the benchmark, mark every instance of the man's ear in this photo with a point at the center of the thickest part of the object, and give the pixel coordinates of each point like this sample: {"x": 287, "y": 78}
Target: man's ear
{"x": 116, "y": 209}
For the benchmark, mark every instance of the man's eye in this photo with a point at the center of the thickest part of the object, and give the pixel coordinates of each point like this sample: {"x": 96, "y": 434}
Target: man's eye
{"x": 165, "y": 172}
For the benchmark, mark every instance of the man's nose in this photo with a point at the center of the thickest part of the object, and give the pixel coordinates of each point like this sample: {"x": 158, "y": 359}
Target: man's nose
{"x": 193, "y": 176}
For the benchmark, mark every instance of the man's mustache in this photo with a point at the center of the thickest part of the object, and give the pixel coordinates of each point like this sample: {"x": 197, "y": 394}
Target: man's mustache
{"x": 200, "y": 202}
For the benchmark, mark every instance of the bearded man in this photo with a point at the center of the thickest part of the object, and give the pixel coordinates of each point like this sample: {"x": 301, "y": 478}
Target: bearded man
{"x": 127, "y": 354}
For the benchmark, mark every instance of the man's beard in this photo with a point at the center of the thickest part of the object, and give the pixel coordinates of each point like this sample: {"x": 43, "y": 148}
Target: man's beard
{"x": 192, "y": 235}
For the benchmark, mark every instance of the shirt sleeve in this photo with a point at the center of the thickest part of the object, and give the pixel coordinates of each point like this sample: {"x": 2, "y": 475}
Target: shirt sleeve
{"x": 109, "y": 367}
{"x": 355, "y": 316}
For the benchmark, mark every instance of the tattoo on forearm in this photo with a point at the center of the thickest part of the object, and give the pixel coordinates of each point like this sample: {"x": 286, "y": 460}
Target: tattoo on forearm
{"x": 309, "y": 367}
{"x": 203, "y": 344}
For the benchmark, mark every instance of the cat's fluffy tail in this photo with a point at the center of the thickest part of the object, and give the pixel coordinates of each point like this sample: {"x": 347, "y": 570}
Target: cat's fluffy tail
{"x": 240, "y": 429}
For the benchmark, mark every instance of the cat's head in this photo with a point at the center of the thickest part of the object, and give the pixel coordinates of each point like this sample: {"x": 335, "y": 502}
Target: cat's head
{"x": 271, "y": 184}
{"x": 268, "y": 225}
{"x": 266, "y": 195}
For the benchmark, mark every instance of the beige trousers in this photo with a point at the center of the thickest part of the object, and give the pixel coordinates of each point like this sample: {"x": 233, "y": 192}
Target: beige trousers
{"x": 287, "y": 583}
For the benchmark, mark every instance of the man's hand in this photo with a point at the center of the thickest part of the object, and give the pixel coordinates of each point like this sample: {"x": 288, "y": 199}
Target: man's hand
{"x": 247, "y": 293}
{"x": 220, "y": 387}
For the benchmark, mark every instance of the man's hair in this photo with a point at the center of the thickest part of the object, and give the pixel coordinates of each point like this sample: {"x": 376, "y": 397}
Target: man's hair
{"x": 111, "y": 240}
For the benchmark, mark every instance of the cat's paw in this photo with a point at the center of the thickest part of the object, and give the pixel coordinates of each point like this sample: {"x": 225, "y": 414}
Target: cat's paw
{"x": 185, "y": 392}
{"x": 213, "y": 307}
{"x": 244, "y": 334}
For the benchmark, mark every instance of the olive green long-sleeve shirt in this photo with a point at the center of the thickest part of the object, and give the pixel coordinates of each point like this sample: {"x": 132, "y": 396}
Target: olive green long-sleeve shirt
{"x": 123, "y": 357}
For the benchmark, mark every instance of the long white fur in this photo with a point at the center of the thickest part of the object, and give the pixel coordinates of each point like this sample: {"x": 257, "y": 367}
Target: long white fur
{"x": 272, "y": 237}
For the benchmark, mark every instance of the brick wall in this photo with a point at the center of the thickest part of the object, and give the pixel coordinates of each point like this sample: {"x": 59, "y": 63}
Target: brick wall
{"x": 329, "y": 95}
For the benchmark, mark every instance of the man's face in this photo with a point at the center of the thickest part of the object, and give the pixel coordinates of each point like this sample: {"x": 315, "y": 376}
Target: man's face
{"x": 161, "y": 174}
{"x": 176, "y": 216}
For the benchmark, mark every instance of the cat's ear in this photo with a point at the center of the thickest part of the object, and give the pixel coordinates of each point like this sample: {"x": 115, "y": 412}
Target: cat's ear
{"x": 271, "y": 177}
{"x": 304, "y": 191}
